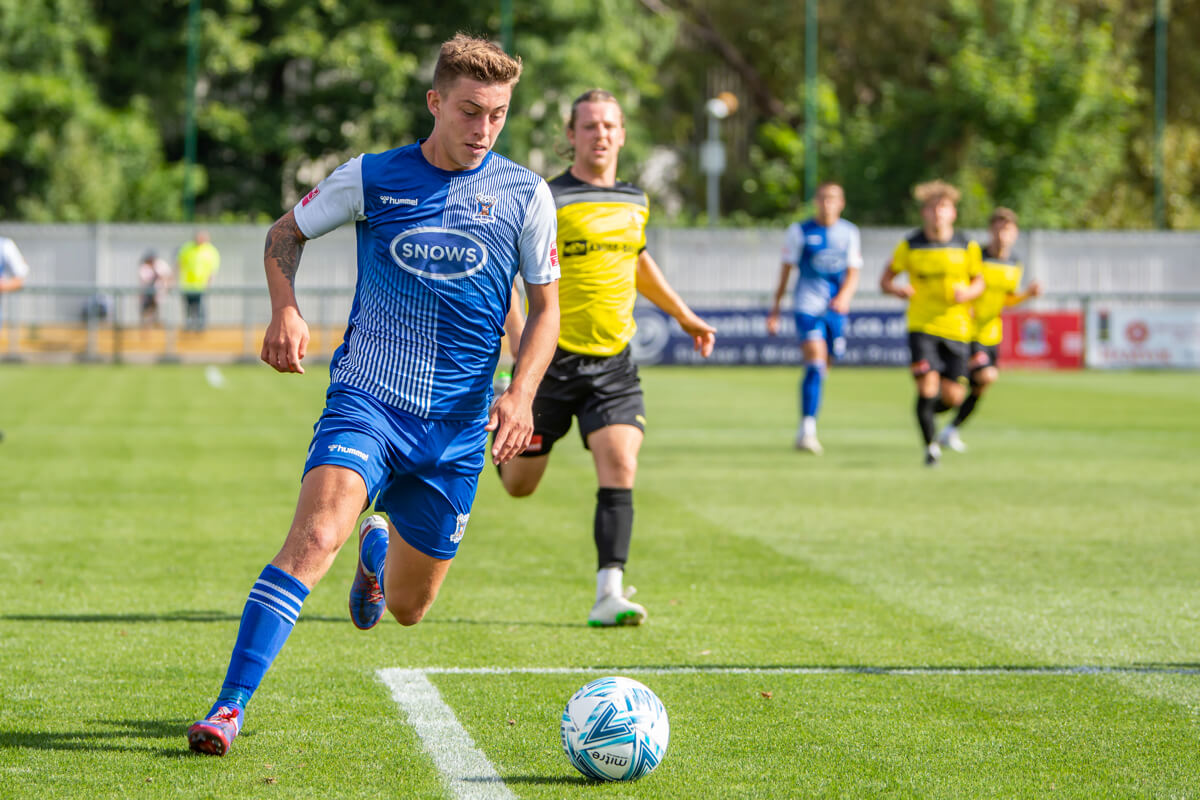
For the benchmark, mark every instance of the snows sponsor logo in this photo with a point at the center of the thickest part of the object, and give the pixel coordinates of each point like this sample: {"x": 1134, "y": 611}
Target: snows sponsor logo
{"x": 350, "y": 451}
{"x": 310, "y": 196}
{"x": 439, "y": 253}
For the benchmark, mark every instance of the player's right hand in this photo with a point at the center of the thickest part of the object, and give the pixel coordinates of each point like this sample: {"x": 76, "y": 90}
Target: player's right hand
{"x": 773, "y": 323}
{"x": 286, "y": 341}
{"x": 511, "y": 417}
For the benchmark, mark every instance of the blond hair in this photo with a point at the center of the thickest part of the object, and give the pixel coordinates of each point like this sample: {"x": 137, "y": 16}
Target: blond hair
{"x": 478, "y": 59}
{"x": 934, "y": 192}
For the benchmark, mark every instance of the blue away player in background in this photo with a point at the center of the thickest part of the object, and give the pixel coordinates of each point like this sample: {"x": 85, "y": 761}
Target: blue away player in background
{"x": 826, "y": 250}
{"x": 443, "y": 226}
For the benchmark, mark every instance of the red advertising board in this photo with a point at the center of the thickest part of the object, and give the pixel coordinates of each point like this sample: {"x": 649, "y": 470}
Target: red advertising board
{"x": 1045, "y": 339}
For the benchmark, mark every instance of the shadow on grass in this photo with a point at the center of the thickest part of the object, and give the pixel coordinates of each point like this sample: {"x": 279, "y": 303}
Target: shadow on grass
{"x": 102, "y": 740}
{"x": 172, "y": 616}
{"x": 225, "y": 616}
{"x": 541, "y": 780}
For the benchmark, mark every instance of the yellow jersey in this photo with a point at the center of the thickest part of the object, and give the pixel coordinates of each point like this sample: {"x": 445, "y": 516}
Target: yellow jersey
{"x": 1002, "y": 277}
{"x": 935, "y": 270}
{"x": 197, "y": 265}
{"x": 601, "y": 232}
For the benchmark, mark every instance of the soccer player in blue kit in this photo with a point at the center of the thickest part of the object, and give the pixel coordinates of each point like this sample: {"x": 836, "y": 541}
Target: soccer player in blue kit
{"x": 443, "y": 227}
{"x": 826, "y": 250}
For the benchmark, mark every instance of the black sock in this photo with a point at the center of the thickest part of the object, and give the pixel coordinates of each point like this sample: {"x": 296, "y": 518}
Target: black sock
{"x": 925, "y": 406}
{"x": 965, "y": 409}
{"x": 941, "y": 406}
{"x": 613, "y": 526}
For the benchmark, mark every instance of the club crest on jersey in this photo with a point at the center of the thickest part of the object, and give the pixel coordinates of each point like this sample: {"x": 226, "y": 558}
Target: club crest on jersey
{"x": 485, "y": 207}
{"x": 460, "y": 528}
{"x": 439, "y": 253}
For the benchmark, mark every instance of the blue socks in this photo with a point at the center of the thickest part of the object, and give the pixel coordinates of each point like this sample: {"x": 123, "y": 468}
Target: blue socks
{"x": 270, "y": 614}
{"x": 374, "y": 552}
{"x": 810, "y": 388}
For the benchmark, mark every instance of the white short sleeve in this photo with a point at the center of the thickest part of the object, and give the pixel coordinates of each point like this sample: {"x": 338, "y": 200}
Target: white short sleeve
{"x": 337, "y": 200}
{"x": 537, "y": 245}
{"x": 12, "y": 262}
{"x": 793, "y": 244}
{"x": 854, "y": 258}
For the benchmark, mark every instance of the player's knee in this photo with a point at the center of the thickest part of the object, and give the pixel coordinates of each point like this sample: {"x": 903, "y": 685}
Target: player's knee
{"x": 319, "y": 539}
{"x": 622, "y": 467}
{"x": 518, "y": 485}
{"x": 407, "y": 611}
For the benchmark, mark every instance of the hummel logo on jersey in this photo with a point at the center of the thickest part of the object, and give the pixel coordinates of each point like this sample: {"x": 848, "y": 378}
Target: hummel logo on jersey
{"x": 388, "y": 200}
{"x": 350, "y": 451}
{"x": 815, "y": 239}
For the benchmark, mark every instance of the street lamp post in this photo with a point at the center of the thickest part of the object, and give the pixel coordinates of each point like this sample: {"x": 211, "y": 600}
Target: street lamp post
{"x": 712, "y": 150}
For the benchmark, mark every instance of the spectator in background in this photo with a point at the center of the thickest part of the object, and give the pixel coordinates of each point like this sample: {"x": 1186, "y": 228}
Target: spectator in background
{"x": 154, "y": 275}
{"x": 198, "y": 262}
{"x": 13, "y": 270}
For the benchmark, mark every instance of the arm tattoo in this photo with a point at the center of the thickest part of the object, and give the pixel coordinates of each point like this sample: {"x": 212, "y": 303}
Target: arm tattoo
{"x": 285, "y": 243}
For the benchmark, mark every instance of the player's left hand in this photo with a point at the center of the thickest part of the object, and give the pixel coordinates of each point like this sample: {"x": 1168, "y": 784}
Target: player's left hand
{"x": 1035, "y": 289}
{"x": 511, "y": 417}
{"x": 840, "y": 304}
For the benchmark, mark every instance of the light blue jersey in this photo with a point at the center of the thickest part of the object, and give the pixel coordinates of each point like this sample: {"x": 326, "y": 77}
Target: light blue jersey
{"x": 822, "y": 255}
{"x": 437, "y": 254}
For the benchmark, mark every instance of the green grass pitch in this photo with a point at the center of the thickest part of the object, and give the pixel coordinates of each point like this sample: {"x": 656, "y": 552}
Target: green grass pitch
{"x": 901, "y": 614}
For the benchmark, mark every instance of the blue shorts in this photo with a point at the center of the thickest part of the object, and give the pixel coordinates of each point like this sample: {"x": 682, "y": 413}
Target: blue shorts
{"x": 830, "y": 326}
{"x": 422, "y": 472}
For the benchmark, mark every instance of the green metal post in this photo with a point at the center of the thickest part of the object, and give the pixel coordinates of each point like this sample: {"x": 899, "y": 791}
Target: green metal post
{"x": 189, "y": 133}
{"x": 810, "y": 98}
{"x": 1161, "y": 13}
{"x": 506, "y": 41}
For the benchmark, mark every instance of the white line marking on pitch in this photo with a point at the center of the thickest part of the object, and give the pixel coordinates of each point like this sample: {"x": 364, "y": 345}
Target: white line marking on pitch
{"x": 472, "y": 777}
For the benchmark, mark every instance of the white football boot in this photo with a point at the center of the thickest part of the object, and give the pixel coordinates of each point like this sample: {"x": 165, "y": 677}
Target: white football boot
{"x": 949, "y": 438}
{"x": 615, "y": 609}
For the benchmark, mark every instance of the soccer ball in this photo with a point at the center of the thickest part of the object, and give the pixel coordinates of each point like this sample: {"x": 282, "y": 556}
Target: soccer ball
{"x": 615, "y": 729}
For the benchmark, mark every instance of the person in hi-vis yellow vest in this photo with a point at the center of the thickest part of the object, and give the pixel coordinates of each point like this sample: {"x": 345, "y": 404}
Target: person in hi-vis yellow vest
{"x": 198, "y": 261}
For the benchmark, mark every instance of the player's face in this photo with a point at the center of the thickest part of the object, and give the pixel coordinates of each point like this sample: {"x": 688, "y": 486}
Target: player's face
{"x": 939, "y": 215}
{"x": 468, "y": 118}
{"x": 1004, "y": 233}
{"x": 829, "y": 202}
{"x": 597, "y": 136}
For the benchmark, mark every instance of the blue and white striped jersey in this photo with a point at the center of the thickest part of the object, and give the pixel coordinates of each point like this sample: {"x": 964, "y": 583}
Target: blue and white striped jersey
{"x": 823, "y": 255}
{"x": 437, "y": 255}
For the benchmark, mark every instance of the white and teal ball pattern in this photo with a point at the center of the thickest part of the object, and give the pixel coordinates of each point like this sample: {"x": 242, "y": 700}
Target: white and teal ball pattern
{"x": 615, "y": 729}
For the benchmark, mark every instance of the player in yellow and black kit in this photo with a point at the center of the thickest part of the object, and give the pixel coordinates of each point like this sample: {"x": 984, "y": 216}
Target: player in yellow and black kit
{"x": 604, "y": 262}
{"x": 944, "y": 276}
{"x": 1002, "y": 279}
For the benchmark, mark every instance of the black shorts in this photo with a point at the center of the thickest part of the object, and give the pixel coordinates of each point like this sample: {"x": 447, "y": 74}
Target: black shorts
{"x": 598, "y": 390}
{"x": 934, "y": 354}
{"x": 984, "y": 356}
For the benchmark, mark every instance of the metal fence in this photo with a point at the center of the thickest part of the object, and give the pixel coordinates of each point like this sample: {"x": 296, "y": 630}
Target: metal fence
{"x": 82, "y": 301}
